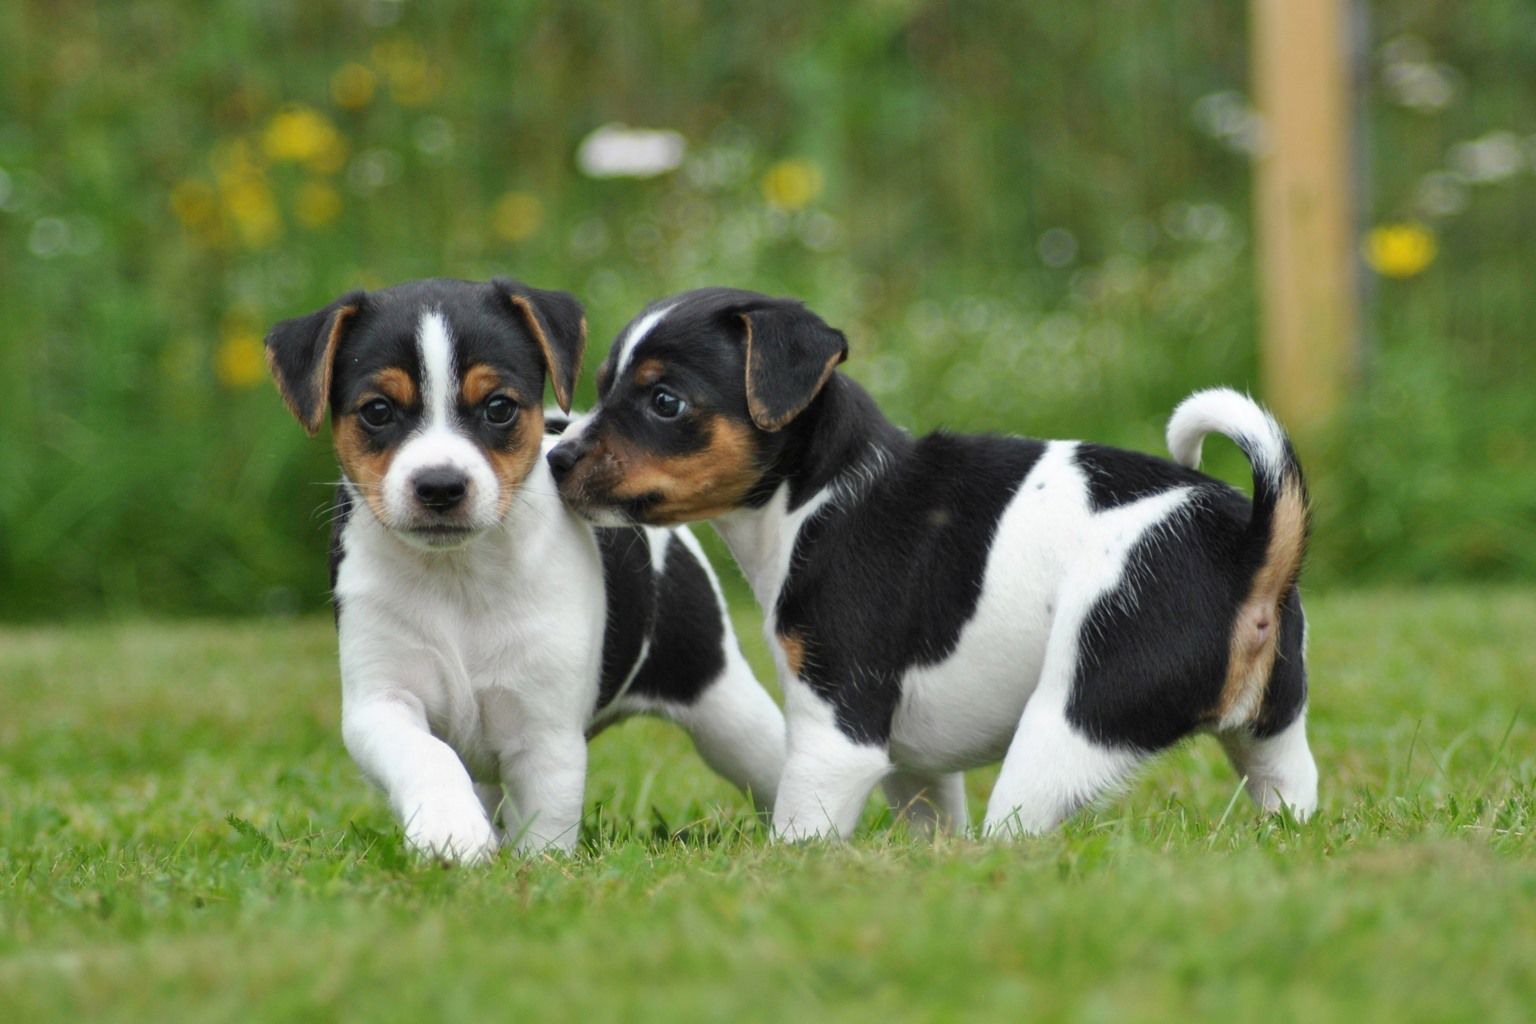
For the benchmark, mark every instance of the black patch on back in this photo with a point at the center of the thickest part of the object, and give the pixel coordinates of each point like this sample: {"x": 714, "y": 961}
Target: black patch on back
{"x": 687, "y": 647}
{"x": 889, "y": 582}
{"x": 341, "y": 512}
{"x": 1119, "y": 477}
{"x": 629, "y": 587}
{"x": 1152, "y": 653}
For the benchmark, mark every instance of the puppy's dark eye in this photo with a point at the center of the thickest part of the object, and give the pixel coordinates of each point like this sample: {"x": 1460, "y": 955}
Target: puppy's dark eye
{"x": 667, "y": 405}
{"x": 500, "y": 410}
{"x": 377, "y": 412}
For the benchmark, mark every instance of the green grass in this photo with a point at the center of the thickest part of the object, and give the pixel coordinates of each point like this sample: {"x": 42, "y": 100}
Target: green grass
{"x": 183, "y": 837}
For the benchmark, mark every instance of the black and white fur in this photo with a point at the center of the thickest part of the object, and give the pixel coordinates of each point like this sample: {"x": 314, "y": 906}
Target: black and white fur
{"x": 485, "y": 631}
{"x": 943, "y": 602}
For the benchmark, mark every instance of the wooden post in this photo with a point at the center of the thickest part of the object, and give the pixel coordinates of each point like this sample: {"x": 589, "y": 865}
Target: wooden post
{"x": 1304, "y": 209}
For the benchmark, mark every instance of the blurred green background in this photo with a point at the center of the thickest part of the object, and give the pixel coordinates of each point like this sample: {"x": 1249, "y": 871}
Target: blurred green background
{"x": 1029, "y": 218}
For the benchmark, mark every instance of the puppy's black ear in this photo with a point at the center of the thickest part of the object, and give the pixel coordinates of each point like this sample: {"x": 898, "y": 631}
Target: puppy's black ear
{"x": 559, "y": 325}
{"x": 790, "y": 354}
{"x": 300, "y": 353}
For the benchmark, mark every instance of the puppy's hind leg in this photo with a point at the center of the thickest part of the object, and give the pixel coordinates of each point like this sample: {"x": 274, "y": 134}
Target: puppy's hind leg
{"x": 738, "y": 730}
{"x": 1271, "y": 753}
{"x": 1279, "y": 769}
{"x": 928, "y": 803}
{"x": 1051, "y": 771}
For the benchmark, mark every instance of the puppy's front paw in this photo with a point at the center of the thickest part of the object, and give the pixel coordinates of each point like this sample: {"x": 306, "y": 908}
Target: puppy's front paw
{"x": 456, "y": 834}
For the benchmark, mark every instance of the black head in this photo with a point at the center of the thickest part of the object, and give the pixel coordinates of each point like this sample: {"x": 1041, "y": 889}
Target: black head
{"x": 436, "y": 394}
{"x": 695, "y": 401}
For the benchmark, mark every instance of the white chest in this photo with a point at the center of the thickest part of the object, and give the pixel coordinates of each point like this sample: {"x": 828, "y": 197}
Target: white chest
{"x": 492, "y": 644}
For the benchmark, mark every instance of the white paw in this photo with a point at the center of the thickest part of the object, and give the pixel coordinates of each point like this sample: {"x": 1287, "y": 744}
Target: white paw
{"x": 802, "y": 830}
{"x": 1017, "y": 823}
{"x": 531, "y": 843}
{"x": 458, "y": 835}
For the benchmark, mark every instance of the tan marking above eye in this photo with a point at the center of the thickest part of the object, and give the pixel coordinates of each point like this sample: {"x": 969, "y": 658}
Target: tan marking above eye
{"x": 396, "y": 385}
{"x": 479, "y": 383}
{"x": 649, "y": 372}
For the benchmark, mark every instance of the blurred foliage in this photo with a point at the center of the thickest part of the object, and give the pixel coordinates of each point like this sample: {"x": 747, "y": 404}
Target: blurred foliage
{"x": 1029, "y": 218}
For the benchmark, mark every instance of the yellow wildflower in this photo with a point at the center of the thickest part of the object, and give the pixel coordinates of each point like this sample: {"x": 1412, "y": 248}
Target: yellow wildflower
{"x": 317, "y": 204}
{"x": 413, "y": 80}
{"x": 303, "y": 135}
{"x": 235, "y": 159}
{"x": 352, "y": 86}
{"x": 250, "y": 205}
{"x": 792, "y": 184}
{"x": 1400, "y": 250}
{"x": 517, "y": 216}
{"x": 194, "y": 203}
{"x": 241, "y": 361}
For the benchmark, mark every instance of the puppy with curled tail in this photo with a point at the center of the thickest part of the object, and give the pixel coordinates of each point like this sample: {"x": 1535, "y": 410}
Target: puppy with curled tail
{"x": 943, "y": 602}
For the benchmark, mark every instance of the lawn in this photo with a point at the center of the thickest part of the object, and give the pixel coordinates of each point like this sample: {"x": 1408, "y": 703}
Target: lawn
{"x": 182, "y": 836}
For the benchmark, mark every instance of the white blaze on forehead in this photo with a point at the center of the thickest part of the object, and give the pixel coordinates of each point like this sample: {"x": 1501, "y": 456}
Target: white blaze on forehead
{"x": 435, "y": 343}
{"x": 636, "y": 335}
{"x": 437, "y": 443}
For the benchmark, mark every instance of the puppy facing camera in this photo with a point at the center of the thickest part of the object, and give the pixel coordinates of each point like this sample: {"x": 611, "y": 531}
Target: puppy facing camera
{"x": 485, "y": 631}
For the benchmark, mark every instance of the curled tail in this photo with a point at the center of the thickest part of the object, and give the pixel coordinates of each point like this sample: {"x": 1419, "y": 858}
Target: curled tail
{"x": 1277, "y": 532}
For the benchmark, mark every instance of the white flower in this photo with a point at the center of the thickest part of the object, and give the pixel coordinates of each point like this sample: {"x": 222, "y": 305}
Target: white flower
{"x": 1494, "y": 157}
{"x": 614, "y": 151}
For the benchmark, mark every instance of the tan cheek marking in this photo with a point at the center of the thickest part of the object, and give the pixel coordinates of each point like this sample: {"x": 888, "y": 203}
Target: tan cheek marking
{"x": 512, "y": 463}
{"x": 1256, "y": 632}
{"x": 478, "y": 384}
{"x": 397, "y": 386}
{"x": 793, "y": 645}
{"x": 699, "y": 485}
{"x": 363, "y": 467}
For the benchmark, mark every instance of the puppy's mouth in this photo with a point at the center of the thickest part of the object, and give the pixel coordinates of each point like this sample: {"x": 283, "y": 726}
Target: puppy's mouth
{"x": 438, "y": 536}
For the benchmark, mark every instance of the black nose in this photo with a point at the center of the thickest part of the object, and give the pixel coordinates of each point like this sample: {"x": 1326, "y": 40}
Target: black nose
{"x": 561, "y": 458}
{"x": 441, "y": 490}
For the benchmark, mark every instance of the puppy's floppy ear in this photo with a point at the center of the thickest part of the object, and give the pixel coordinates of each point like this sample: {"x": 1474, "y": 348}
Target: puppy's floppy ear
{"x": 558, "y": 324}
{"x": 790, "y": 354}
{"x": 301, "y": 352}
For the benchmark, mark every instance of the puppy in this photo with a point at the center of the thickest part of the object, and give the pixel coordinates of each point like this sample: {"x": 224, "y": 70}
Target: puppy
{"x": 939, "y": 603}
{"x": 485, "y": 631}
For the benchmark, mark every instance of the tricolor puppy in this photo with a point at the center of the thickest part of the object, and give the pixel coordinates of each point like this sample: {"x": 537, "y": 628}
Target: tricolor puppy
{"x": 485, "y": 631}
{"x": 939, "y": 603}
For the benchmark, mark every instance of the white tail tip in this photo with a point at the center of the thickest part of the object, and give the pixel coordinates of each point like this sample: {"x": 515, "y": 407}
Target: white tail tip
{"x": 1224, "y": 411}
